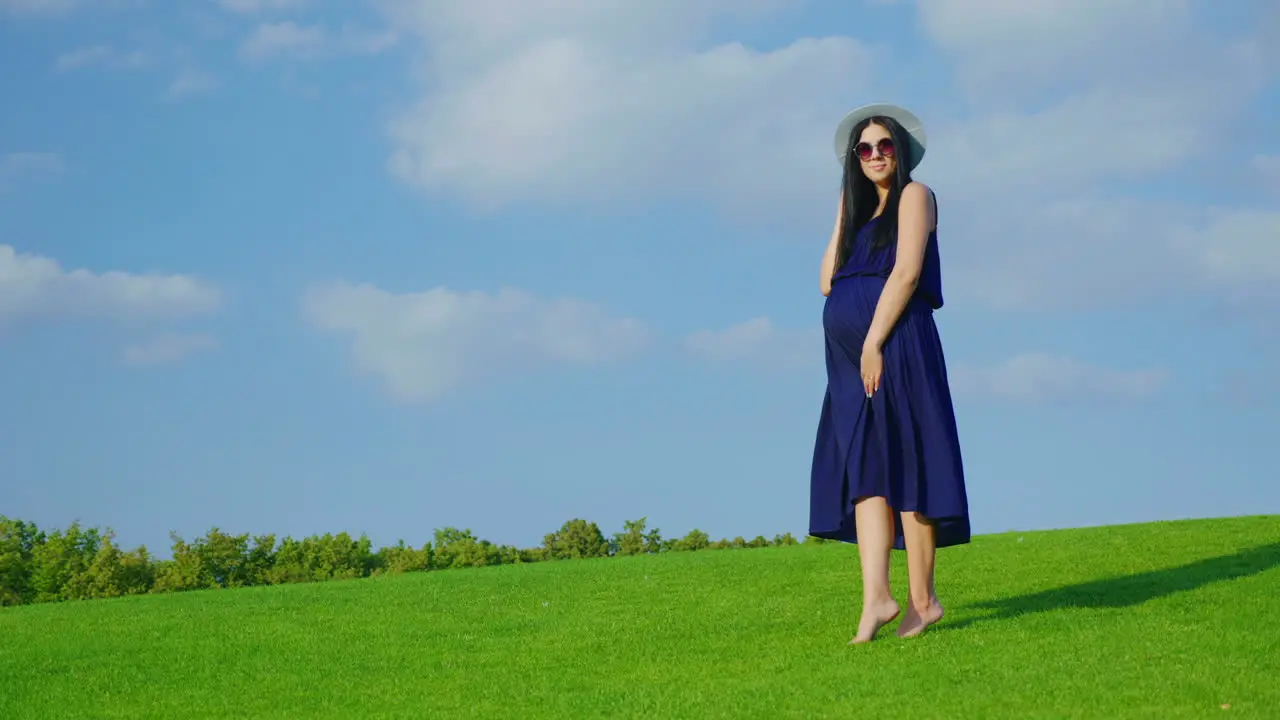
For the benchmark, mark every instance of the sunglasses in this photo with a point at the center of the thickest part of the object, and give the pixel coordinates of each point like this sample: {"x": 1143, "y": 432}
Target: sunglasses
{"x": 884, "y": 146}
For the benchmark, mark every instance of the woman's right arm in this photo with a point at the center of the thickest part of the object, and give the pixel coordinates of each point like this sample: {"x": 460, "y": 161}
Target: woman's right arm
{"x": 833, "y": 247}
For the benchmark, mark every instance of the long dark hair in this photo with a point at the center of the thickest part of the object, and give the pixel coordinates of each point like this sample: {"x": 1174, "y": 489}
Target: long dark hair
{"x": 860, "y": 197}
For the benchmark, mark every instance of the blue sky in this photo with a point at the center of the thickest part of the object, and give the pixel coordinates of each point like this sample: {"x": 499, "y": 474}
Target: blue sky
{"x": 302, "y": 266}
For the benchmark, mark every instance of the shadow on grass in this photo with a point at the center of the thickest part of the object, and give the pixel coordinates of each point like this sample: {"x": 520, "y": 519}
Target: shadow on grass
{"x": 1127, "y": 590}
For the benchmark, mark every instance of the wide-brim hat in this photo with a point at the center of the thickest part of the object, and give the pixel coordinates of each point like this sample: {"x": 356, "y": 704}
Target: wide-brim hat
{"x": 909, "y": 122}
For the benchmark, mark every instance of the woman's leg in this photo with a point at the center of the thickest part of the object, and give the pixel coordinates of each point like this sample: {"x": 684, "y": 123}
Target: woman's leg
{"x": 923, "y": 608}
{"x": 875, "y": 539}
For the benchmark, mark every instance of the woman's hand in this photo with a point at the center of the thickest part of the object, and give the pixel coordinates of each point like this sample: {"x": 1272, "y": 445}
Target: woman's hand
{"x": 872, "y": 367}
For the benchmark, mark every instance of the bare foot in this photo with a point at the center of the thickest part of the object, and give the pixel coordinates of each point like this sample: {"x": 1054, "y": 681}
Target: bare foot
{"x": 874, "y": 617}
{"x": 917, "y": 620}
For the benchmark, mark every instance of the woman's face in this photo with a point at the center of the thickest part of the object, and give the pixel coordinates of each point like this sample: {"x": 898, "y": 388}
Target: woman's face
{"x": 876, "y": 153}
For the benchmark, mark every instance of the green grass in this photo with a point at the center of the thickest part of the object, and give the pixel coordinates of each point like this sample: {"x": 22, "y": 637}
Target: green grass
{"x": 1163, "y": 620}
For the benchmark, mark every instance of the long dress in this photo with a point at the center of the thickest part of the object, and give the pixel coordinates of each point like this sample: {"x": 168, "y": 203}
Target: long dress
{"x": 902, "y": 443}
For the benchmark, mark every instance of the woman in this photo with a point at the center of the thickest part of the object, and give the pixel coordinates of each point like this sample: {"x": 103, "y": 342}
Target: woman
{"x": 887, "y": 446}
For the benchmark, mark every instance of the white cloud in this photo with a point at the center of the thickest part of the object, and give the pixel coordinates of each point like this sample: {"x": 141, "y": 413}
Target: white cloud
{"x": 559, "y": 101}
{"x": 423, "y": 344}
{"x": 1037, "y": 207}
{"x": 1064, "y": 146}
{"x": 1037, "y": 377}
{"x": 38, "y": 7}
{"x": 356, "y": 40}
{"x": 103, "y": 56}
{"x": 548, "y": 99}
{"x": 758, "y": 341}
{"x": 1251, "y": 387}
{"x": 32, "y": 286}
{"x": 1268, "y": 168}
{"x": 551, "y": 100}
{"x": 483, "y": 27}
{"x": 22, "y": 166}
{"x": 62, "y": 8}
{"x": 1239, "y": 250}
{"x": 283, "y": 38}
{"x": 1112, "y": 91}
{"x": 1089, "y": 252}
{"x": 304, "y": 42}
{"x": 165, "y": 349}
{"x": 1068, "y": 106}
{"x": 1020, "y": 45}
{"x": 254, "y": 7}
{"x": 190, "y": 82}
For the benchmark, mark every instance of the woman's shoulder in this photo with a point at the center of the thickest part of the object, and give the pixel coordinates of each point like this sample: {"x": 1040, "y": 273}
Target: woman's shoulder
{"x": 916, "y": 191}
{"x": 916, "y": 196}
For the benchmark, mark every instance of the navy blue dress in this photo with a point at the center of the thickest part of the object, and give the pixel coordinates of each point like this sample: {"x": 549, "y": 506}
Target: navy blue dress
{"x": 901, "y": 444}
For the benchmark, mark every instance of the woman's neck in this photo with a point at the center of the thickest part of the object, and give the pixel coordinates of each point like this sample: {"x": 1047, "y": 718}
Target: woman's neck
{"x": 882, "y": 197}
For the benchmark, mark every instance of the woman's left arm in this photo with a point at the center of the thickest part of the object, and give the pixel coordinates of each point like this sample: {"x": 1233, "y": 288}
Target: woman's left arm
{"x": 915, "y": 221}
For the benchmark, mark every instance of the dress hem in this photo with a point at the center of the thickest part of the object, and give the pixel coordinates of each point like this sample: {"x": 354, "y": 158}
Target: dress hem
{"x": 950, "y": 530}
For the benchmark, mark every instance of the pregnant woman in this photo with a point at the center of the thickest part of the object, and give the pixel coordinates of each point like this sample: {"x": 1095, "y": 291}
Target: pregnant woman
{"x": 887, "y": 447}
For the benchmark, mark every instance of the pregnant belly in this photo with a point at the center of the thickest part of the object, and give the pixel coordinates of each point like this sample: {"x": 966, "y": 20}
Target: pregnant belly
{"x": 851, "y": 306}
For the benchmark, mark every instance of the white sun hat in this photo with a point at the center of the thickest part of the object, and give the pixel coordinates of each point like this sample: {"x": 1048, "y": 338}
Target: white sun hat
{"x": 907, "y": 119}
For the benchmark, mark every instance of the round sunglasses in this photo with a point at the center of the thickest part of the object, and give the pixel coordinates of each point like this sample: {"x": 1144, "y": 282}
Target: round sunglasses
{"x": 883, "y": 145}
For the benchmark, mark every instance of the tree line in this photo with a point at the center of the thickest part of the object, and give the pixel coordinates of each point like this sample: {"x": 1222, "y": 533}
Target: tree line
{"x": 80, "y": 563}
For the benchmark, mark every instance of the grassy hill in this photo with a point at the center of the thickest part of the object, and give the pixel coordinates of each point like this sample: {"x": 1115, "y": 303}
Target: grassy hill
{"x": 1162, "y": 620}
